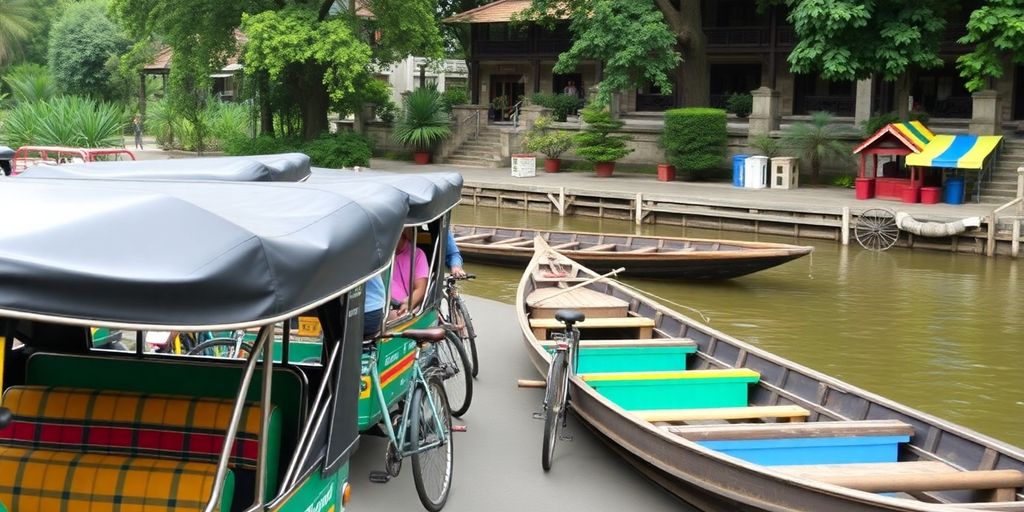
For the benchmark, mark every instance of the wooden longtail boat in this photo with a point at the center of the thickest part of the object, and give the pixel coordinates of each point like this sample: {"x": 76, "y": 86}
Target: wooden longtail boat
{"x": 643, "y": 256}
{"x": 660, "y": 388}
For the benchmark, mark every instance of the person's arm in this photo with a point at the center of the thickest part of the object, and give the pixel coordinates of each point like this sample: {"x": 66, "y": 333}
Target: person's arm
{"x": 453, "y": 258}
{"x": 420, "y": 272}
{"x": 419, "y": 290}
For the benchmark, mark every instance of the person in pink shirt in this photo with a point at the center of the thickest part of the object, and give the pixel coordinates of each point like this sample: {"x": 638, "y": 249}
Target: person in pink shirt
{"x": 400, "y": 282}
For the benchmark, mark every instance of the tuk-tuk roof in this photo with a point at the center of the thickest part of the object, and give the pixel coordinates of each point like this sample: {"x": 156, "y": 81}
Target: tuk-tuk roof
{"x": 430, "y": 194}
{"x": 281, "y": 167}
{"x": 187, "y": 255}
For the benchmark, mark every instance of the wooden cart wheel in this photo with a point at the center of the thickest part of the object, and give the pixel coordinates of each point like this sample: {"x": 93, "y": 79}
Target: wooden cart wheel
{"x": 876, "y": 229}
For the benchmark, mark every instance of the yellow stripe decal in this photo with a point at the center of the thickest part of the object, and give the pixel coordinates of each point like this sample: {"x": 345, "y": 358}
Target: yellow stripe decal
{"x": 691, "y": 374}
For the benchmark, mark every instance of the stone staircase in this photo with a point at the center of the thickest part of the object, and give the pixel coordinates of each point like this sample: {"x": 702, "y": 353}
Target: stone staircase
{"x": 483, "y": 151}
{"x": 1003, "y": 186}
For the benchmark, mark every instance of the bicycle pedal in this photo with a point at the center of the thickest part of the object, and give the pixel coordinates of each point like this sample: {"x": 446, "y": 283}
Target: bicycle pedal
{"x": 379, "y": 477}
{"x": 459, "y": 428}
{"x": 538, "y": 415}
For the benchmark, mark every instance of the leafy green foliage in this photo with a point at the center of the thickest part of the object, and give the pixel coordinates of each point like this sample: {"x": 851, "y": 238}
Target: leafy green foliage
{"x": 740, "y": 103}
{"x": 852, "y": 39}
{"x": 387, "y": 111}
{"x": 561, "y": 105}
{"x": 159, "y": 122}
{"x": 228, "y": 121}
{"x": 30, "y": 83}
{"x": 695, "y": 138}
{"x": 65, "y": 121}
{"x": 819, "y": 141}
{"x": 454, "y": 96}
{"x": 406, "y": 27}
{"x": 328, "y": 150}
{"x": 596, "y": 143}
{"x": 541, "y": 138}
{"x": 844, "y": 180}
{"x": 261, "y": 145}
{"x": 996, "y": 31}
{"x": 16, "y": 28}
{"x": 82, "y": 41}
{"x": 423, "y": 121}
{"x": 766, "y": 146}
{"x": 878, "y": 121}
{"x": 631, "y": 38}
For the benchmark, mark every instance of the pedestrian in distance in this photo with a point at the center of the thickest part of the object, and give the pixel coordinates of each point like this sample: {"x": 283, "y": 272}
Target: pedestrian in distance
{"x": 137, "y": 129}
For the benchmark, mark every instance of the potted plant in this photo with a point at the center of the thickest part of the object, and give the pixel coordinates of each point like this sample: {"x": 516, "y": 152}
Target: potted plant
{"x": 552, "y": 143}
{"x": 422, "y": 123}
{"x": 498, "y": 106}
{"x": 666, "y": 172}
{"x": 596, "y": 143}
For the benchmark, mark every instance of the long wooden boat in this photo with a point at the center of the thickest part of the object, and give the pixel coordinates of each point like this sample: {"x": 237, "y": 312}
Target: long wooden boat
{"x": 661, "y": 388}
{"x": 643, "y": 256}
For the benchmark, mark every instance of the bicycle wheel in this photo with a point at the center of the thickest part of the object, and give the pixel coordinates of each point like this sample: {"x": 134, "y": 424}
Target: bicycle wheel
{"x": 432, "y": 467}
{"x": 222, "y": 347}
{"x": 453, "y": 365}
{"x": 468, "y": 333}
{"x": 554, "y": 406}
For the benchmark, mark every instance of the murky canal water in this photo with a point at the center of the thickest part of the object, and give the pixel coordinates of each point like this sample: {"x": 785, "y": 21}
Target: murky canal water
{"x": 940, "y": 332}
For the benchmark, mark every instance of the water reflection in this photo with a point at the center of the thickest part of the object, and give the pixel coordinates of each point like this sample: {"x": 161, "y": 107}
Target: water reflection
{"x": 938, "y": 331}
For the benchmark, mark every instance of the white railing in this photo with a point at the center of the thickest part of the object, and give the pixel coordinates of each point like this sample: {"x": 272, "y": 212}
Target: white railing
{"x": 993, "y": 219}
{"x": 474, "y": 115}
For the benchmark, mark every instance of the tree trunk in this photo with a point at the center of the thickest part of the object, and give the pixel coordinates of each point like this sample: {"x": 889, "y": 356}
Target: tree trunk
{"x": 693, "y": 87}
{"x": 314, "y": 103}
{"x": 266, "y": 109}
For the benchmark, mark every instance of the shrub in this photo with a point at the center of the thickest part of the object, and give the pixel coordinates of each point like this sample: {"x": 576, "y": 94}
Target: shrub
{"x": 386, "y": 111}
{"x": 876, "y": 122}
{"x": 260, "y": 145}
{"x": 160, "y": 122}
{"x": 695, "y": 138}
{"x": 65, "y": 121}
{"x": 740, "y": 103}
{"x": 457, "y": 95}
{"x": 819, "y": 141}
{"x": 541, "y": 138}
{"x": 596, "y": 143}
{"x": 30, "y": 82}
{"x": 334, "y": 151}
{"x": 229, "y": 121}
{"x": 844, "y": 180}
{"x": 82, "y": 40}
{"x": 561, "y": 105}
{"x": 423, "y": 121}
{"x": 767, "y": 146}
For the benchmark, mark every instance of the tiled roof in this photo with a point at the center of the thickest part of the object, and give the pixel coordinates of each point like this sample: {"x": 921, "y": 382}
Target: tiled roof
{"x": 495, "y": 12}
{"x": 162, "y": 61}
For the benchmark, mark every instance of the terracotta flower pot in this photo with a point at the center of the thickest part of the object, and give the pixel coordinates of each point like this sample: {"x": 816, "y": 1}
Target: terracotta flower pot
{"x": 604, "y": 169}
{"x": 421, "y": 157}
{"x": 552, "y": 165}
{"x": 666, "y": 172}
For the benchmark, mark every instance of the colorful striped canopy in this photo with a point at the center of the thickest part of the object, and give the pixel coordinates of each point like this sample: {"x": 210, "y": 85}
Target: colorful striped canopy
{"x": 956, "y": 151}
{"x": 914, "y": 135}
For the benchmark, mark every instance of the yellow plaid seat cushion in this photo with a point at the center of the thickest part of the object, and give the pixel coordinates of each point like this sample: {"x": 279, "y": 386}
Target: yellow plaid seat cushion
{"x": 133, "y": 424}
{"x": 49, "y": 480}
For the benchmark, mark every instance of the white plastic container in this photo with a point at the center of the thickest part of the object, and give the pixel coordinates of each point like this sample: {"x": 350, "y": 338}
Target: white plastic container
{"x": 755, "y": 172}
{"x": 524, "y": 166}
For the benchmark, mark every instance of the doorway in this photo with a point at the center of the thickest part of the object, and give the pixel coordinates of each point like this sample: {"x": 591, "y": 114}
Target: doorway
{"x": 506, "y": 90}
{"x": 1018, "y": 94}
{"x": 560, "y": 83}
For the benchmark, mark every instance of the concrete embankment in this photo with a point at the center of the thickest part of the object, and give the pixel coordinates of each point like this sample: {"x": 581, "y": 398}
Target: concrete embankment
{"x": 497, "y": 461}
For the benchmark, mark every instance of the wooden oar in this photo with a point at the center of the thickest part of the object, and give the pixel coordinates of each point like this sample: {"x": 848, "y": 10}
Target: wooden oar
{"x": 579, "y": 285}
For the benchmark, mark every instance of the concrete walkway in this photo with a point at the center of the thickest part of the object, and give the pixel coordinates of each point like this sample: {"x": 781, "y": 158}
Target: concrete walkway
{"x": 497, "y": 461}
{"x": 719, "y": 193}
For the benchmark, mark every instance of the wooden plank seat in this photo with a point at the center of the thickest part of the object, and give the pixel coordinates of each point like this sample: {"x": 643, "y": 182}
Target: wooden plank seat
{"x": 670, "y": 390}
{"x": 791, "y": 430}
{"x": 565, "y": 245}
{"x": 650, "y": 342}
{"x": 644, "y": 325}
{"x": 599, "y": 247}
{"x": 642, "y": 250}
{"x": 916, "y": 476}
{"x": 473, "y": 238}
{"x": 780, "y": 412}
{"x": 523, "y": 243}
{"x": 509, "y": 241}
{"x": 39, "y": 480}
{"x": 133, "y": 425}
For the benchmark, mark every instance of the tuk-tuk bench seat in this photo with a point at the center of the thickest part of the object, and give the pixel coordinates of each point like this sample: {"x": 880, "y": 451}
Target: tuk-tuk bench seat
{"x": 39, "y": 480}
{"x": 186, "y": 429}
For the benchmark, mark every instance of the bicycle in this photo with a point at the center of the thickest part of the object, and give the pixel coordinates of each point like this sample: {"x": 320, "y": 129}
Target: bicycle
{"x": 424, "y": 424}
{"x": 556, "y": 390}
{"x": 457, "y": 314}
{"x": 452, "y": 364}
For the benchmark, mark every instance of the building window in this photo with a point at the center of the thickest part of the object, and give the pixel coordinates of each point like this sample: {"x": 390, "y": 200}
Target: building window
{"x": 506, "y": 32}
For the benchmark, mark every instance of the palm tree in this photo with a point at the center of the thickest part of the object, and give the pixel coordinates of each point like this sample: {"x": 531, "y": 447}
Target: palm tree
{"x": 818, "y": 141}
{"x": 15, "y": 27}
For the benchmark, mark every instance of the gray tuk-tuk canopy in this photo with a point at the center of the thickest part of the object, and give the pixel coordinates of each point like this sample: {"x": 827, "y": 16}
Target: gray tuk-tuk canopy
{"x": 283, "y": 167}
{"x": 430, "y": 194}
{"x": 194, "y": 255}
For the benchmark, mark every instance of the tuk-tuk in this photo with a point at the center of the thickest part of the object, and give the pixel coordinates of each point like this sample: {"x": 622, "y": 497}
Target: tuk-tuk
{"x": 83, "y": 428}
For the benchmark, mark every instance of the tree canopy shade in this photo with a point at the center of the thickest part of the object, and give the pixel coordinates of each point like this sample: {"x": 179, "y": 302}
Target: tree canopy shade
{"x": 854, "y": 39}
{"x": 82, "y": 42}
{"x": 996, "y": 30}
{"x": 630, "y": 37}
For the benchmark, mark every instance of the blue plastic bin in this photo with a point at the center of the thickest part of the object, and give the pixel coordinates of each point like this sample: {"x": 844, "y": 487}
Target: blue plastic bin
{"x": 738, "y": 162}
{"x": 954, "y": 192}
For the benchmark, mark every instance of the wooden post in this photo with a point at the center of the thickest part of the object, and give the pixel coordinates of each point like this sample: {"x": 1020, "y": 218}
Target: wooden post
{"x": 990, "y": 242}
{"x": 639, "y": 208}
{"x": 846, "y": 226}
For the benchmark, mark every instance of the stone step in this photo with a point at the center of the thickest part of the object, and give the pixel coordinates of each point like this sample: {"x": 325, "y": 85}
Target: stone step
{"x": 474, "y": 162}
{"x": 477, "y": 144}
{"x": 476, "y": 154}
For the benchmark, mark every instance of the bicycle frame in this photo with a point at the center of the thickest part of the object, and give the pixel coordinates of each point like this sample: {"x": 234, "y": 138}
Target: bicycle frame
{"x": 386, "y": 420}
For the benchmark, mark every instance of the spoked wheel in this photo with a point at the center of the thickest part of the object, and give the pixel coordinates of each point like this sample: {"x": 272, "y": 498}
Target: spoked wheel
{"x": 432, "y": 467}
{"x": 453, "y": 367}
{"x": 222, "y": 347}
{"x": 554, "y": 407}
{"x": 876, "y": 229}
{"x": 468, "y": 333}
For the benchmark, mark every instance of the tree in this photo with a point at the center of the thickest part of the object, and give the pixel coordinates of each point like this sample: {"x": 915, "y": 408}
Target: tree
{"x": 847, "y": 40}
{"x": 630, "y": 38}
{"x": 82, "y": 42}
{"x": 996, "y": 30}
{"x": 819, "y": 141}
{"x": 15, "y": 27}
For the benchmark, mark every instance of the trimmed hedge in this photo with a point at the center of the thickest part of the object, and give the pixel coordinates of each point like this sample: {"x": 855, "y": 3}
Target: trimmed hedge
{"x": 561, "y": 105}
{"x": 333, "y": 151}
{"x": 695, "y": 139}
{"x": 596, "y": 143}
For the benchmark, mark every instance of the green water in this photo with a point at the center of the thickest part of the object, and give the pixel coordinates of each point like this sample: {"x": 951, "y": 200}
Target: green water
{"x": 937, "y": 331}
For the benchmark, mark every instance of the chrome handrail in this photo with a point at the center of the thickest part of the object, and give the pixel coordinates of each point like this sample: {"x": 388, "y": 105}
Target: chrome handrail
{"x": 475, "y": 115}
{"x": 515, "y": 113}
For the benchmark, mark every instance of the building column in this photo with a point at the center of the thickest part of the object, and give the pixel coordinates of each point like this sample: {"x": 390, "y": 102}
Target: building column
{"x": 862, "y": 107}
{"x": 474, "y": 82}
{"x": 986, "y": 113}
{"x": 764, "y": 117}
{"x": 535, "y": 69}
{"x": 142, "y": 95}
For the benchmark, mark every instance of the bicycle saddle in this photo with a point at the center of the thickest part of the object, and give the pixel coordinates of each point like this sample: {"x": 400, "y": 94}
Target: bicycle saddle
{"x": 569, "y": 316}
{"x": 5, "y": 416}
{"x": 432, "y": 334}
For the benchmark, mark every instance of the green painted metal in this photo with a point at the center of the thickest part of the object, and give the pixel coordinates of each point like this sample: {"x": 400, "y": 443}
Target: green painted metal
{"x": 317, "y": 494}
{"x": 633, "y": 359}
{"x": 676, "y": 393}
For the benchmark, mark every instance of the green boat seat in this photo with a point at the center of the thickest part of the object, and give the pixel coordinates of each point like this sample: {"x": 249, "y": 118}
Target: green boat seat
{"x": 39, "y": 480}
{"x": 674, "y": 389}
{"x": 183, "y": 429}
{"x": 778, "y": 412}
